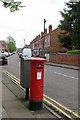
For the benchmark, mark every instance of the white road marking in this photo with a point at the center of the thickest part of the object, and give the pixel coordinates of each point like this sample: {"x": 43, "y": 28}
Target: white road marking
{"x": 65, "y": 75}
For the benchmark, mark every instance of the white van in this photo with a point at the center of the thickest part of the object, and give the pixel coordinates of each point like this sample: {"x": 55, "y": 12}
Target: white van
{"x": 26, "y": 53}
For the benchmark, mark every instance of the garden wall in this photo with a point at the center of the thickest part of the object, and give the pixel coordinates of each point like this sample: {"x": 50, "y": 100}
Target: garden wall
{"x": 64, "y": 58}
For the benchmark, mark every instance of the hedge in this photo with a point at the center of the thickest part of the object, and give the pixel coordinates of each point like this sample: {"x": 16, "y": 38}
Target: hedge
{"x": 73, "y": 52}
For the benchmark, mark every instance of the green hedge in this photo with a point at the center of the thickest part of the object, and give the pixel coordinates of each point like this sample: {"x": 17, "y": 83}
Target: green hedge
{"x": 73, "y": 52}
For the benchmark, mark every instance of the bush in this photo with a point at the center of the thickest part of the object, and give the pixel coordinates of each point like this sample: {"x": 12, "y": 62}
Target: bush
{"x": 73, "y": 52}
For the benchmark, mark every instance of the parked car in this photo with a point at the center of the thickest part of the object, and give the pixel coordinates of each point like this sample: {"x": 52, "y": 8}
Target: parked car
{"x": 6, "y": 53}
{"x": 19, "y": 54}
{"x": 3, "y": 59}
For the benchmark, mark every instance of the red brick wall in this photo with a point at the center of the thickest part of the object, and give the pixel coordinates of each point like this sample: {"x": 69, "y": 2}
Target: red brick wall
{"x": 64, "y": 59}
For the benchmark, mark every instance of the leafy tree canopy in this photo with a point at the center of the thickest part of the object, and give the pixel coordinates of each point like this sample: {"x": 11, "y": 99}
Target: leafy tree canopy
{"x": 11, "y": 44}
{"x": 70, "y": 24}
{"x": 13, "y": 5}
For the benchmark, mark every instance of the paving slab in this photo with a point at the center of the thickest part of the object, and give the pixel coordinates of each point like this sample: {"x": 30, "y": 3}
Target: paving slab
{"x": 13, "y": 107}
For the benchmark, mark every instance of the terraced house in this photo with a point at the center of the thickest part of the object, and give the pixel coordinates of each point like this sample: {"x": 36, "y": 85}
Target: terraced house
{"x": 48, "y": 42}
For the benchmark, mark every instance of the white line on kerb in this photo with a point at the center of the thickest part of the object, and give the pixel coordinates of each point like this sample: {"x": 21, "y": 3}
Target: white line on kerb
{"x": 65, "y": 75}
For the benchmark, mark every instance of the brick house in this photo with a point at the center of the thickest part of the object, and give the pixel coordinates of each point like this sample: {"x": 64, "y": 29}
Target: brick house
{"x": 47, "y": 42}
{"x": 3, "y": 45}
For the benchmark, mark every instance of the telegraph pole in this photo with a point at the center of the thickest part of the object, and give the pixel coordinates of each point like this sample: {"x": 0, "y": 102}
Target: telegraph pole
{"x": 44, "y": 24}
{"x": 24, "y": 42}
{"x": 44, "y": 38}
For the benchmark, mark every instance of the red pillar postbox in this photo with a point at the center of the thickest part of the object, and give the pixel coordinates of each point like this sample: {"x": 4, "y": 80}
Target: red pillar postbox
{"x": 36, "y": 83}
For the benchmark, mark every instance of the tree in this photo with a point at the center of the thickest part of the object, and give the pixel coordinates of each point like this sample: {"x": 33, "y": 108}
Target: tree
{"x": 70, "y": 24}
{"x": 14, "y": 6}
{"x": 11, "y": 44}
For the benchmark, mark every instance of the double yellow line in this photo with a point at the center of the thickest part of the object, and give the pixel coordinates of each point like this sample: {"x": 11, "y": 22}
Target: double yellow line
{"x": 17, "y": 81}
{"x": 64, "y": 107}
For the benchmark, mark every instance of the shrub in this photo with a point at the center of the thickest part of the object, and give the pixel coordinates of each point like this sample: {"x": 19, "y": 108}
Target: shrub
{"x": 73, "y": 52}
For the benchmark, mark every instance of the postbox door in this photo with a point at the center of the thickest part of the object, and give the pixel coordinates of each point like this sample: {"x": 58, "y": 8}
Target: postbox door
{"x": 37, "y": 84}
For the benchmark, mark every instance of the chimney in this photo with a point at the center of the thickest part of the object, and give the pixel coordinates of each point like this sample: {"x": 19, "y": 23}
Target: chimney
{"x": 42, "y": 34}
{"x": 45, "y": 31}
{"x": 39, "y": 36}
{"x": 50, "y": 28}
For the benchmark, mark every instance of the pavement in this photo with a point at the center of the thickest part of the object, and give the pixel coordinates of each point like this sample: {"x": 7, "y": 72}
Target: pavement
{"x": 63, "y": 65}
{"x": 14, "y": 103}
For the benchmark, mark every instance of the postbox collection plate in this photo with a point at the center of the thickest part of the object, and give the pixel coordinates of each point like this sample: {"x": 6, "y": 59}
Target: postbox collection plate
{"x": 39, "y": 75}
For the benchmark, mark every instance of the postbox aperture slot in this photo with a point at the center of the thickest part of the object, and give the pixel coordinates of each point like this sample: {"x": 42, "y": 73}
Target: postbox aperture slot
{"x": 39, "y": 67}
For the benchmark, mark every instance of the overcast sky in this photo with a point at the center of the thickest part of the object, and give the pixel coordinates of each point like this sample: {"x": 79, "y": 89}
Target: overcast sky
{"x": 29, "y": 21}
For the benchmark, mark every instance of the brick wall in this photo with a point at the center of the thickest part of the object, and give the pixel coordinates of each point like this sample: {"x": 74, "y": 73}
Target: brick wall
{"x": 64, "y": 59}
{"x": 55, "y": 45}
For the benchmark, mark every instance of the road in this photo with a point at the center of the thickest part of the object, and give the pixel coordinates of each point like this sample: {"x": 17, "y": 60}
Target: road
{"x": 61, "y": 84}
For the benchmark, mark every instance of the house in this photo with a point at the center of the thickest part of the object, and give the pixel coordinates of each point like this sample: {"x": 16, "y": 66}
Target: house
{"x": 47, "y": 42}
{"x": 3, "y": 45}
{"x": 52, "y": 44}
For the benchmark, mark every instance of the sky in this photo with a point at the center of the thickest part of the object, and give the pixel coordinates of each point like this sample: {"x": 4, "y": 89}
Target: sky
{"x": 28, "y": 22}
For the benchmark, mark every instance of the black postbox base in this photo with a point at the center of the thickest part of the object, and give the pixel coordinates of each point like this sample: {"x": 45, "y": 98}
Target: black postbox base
{"x": 35, "y": 105}
{"x": 27, "y": 93}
